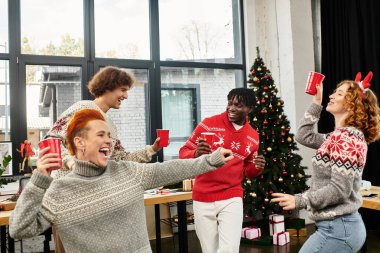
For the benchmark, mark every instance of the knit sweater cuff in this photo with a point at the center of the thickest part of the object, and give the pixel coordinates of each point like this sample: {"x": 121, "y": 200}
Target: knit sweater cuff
{"x": 150, "y": 150}
{"x": 216, "y": 159}
{"x": 40, "y": 180}
{"x": 300, "y": 201}
{"x": 315, "y": 110}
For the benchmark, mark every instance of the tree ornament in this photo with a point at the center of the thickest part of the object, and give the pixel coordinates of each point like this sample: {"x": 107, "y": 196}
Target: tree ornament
{"x": 282, "y": 134}
{"x": 283, "y": 173}
{"x": 282, "y": 127}
{"x": 270, "y": 105}
{"x": 263, "y": 111}
{"x": 249, "y": 181}
{"x": 300, "y": 175}
{"x": 263, "y": 133}
{"x": 265, "y": 122}
{"x": 253, "y": 72}
{"x": 253, "y": 194}
{"x": 291, "y": 175}
{"x": 278, "y": 103}
{"x": 259, "y": 69}
{"x": 266, "y": 200}
{"x": 269, "y": 149}
{"x": 265, "y": 87}
{"x": 263, "y": 101}
{"x": 280, "y": 179}
{"x": 254, "y": 119}
{"x": 274, "y": 93}
{"x": 289, "y": 139}
{"x": 266, "y": 96}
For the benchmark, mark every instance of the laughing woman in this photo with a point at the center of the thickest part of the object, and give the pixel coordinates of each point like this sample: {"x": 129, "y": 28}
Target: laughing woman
{"x": 99, "y": 206}
{"x": 333, "y": 199}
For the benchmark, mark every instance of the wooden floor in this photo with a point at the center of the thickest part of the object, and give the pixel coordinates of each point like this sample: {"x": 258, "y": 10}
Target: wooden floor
{"x": 170, "y": 245}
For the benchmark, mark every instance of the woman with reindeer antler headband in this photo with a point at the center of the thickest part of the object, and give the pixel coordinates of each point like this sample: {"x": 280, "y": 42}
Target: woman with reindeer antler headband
{"x": 333, "y": 199}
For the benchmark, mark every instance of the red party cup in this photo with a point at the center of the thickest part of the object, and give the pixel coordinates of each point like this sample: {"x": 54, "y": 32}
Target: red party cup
{"x": 55, "y": 147}
{"x": 209, "y": 137}
{"x": 313, "y": 79}
{"x": 164, "y": 137}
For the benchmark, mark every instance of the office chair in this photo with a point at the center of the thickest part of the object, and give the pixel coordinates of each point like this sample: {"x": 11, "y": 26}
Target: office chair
{"x": 23, "y": 181}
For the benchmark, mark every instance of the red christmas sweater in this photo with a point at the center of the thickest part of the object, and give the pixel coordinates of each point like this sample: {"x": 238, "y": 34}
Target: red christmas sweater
{"x": 225, "y": 182}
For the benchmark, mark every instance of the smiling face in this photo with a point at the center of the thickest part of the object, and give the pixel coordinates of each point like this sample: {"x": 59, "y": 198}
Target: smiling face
{"x": 237, "y": 111}
{"x": 336, "y": 105}
{"x": 114, "y": 98}
{"x": 95, "y": 144}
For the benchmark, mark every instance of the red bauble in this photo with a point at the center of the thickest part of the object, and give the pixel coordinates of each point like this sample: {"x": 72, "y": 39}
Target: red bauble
{"x": 263, "y": 133}
{"x": 265, "y": 87}
{"x": 265, "y": 122}
{"x": 282, "y": 134}
{"x": 263, "y": 111}
{"x": 263, "y": 101}
{"x": 284, "y": 172}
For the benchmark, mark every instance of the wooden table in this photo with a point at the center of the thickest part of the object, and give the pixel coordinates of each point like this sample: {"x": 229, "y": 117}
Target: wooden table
{"x": 4, "y": 222}
{"x": 370, "y": 203}
{"x": 180, "y": 198}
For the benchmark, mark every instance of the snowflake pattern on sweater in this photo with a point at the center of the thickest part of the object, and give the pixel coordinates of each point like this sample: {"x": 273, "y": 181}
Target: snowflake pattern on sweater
{"x": 337, "y": 168}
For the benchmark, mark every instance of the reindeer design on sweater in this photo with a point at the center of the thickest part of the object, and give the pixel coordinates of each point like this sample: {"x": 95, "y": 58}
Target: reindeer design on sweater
{"x": 220, "y": 142}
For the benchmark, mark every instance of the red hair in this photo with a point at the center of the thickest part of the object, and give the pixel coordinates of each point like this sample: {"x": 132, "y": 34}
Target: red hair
{"x": 77, "y": 126}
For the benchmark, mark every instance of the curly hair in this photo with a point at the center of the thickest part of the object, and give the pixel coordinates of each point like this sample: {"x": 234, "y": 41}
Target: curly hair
{"x": 77, "y": 126}
{"x": 108, "y": 79}
{"x": 363, "y": 111}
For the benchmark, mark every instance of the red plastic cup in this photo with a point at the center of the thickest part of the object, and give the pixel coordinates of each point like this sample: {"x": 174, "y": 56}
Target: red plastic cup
{"x": 313, "y": 79}
{"x": 55, "y": 147}
{"x": 164, "y": 137}
{"x": 209, "y": 137}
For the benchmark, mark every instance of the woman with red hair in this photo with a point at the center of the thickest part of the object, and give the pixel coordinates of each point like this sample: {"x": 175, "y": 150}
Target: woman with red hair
{"x": 333, "y": 199}
{"x": 99, "y": 207}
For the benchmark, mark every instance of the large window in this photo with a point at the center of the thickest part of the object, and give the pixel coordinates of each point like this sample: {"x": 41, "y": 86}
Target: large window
{"x": 50, "y": 90}
{"x": 52, "y": 27}
{"x": 4, "y": 26}
{"x": 186, "y": 55}
{"x": 198, "y": 30}
{"x": 5, "y": 119}
{"x": 122, "y": 29}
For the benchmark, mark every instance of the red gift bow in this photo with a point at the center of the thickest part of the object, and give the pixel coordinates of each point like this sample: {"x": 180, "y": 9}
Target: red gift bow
{"x": 28, "y": 149}
{"x": 248, "y": 228}
{"x": 278, "y": 237}
{"x": 274, "y": 222}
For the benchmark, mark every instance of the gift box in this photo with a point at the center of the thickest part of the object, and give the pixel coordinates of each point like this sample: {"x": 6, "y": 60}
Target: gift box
{"x": 276, "y": 224}
{"x": 296, "y": 223}
{"x": 297, "y": 232}
{"x": 281, "y": 238}
{"x": 251, "y": 232}
{"x": 264, "y": 240}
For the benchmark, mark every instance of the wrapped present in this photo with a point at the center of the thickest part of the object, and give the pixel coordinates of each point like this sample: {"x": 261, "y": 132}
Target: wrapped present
{"x": 297, "y": 232}
{"x": 251, "y": 232}
{"x": 188, "y": 184}
{"x": 276, "y": 224}
{"x": 296, "y": 223}
{"x": 281, "y": 238}
{"x": 264, "y": 240}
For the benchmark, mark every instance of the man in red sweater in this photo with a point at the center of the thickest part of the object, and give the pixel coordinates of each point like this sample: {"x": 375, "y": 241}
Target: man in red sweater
{"x": 217, "y": 195}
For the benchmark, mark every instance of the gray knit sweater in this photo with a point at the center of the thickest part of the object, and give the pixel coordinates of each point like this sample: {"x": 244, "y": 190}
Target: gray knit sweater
{"x": 100, "y": 209}
{"x": 337, "y": 168}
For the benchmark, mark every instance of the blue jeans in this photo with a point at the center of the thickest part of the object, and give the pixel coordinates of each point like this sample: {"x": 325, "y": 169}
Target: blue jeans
{"x": 346, "y": 233}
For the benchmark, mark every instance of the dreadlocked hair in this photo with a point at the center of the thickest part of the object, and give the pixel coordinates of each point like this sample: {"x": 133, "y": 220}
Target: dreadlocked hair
{"x": 243, "y": 95}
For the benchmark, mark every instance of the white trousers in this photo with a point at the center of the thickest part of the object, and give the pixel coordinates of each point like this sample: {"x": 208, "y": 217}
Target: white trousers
{"x": 218, "y": 225}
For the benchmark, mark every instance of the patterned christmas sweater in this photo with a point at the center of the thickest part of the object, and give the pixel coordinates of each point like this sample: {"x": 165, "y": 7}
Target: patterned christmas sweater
{"x": 226, "y": 182}
{"x": 337, "y": 168}
{"x": 59, "y": 130}
{"x": 100, "y": 209}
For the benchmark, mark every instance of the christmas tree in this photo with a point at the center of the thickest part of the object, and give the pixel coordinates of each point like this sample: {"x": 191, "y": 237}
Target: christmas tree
{"x": 283, "y": 172}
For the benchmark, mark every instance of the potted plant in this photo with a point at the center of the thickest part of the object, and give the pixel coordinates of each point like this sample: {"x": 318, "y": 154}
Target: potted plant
{"x": 3, "y": 166}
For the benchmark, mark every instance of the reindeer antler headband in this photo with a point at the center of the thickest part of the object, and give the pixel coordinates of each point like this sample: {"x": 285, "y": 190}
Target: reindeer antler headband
{"x": 365, "y": 84}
